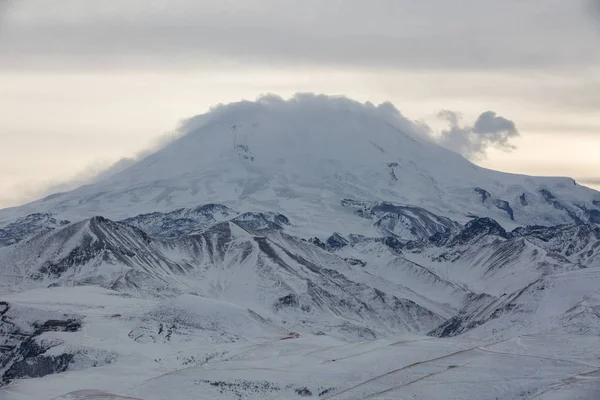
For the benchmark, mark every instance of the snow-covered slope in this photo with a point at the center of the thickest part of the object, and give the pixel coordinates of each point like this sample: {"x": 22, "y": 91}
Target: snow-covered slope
{"x": 578, "y": 243}
{"x": 137, "y": 357}
{"x": 303, "y": 156}
{"x": 245, "y": 260}
{"x": 285, "y": 249}
{"x": 560, "y": 303}
{"x": 351, "y": 286}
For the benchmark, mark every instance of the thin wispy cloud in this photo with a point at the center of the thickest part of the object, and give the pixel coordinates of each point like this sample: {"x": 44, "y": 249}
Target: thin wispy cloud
{"x": 473, "y": 140}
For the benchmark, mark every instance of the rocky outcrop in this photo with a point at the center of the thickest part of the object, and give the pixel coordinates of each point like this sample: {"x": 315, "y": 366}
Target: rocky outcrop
{"x": 479, "y": 228}
{"x": 29, "y": 226}
{"x": 402, "y": 221}
{"x": 24, "y": 348}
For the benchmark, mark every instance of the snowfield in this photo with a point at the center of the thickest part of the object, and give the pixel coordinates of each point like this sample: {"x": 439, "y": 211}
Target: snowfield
{"x": 188, "y": 365}
{"x": 311, "y": 248}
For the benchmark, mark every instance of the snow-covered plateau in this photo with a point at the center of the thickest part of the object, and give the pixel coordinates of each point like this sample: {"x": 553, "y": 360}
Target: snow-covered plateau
{"x": 309, "y": 248}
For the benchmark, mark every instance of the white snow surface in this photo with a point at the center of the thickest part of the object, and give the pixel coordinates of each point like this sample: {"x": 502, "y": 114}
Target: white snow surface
{"x": 279, "y": 366}
{"x": 303, "y": 156}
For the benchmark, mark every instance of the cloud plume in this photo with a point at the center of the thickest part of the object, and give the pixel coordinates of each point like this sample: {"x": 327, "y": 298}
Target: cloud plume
{"x": 472, "y": 141}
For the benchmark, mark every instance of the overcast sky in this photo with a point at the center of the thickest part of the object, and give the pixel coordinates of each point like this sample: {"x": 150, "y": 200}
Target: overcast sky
{"x": 85, "y": 83}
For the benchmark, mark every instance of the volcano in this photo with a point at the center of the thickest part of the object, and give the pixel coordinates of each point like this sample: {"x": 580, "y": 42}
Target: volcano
{"x": 311, "y": 247}
{"x": 303, "y": 156}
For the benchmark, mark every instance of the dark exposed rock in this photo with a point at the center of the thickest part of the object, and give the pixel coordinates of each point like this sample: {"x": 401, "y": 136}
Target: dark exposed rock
{"x": 355, "y": 261}
{"x": 317, "y": 242}
{"x": 393, "y": 243}
{"x": 478, "y": 228}
{"x": 336, "y": 241}
{"x": 544, "y": 233}
{"x": 547, "y": 195}
{"x": 523, "y": 199}
{"x": 23, "y": 351}
{"x": 593, "y": 216}
{"x": 440, "y": 239}
{"x": 503, "y": 205}
{"x": 240, "y": 388}
{"x": 27, "y": 227}
{"x": 55, "y": 325}
{"x": 391, "y": 166}
{"x": 304, "y": 392}
{"x": 483, "y": 193}
{"x": 350, "y": 203}
{"x": 291, "y": 300}
{"x": 244, "y": 152}
{"x": 551, "y": 199}
{"x": 36, "y": 365}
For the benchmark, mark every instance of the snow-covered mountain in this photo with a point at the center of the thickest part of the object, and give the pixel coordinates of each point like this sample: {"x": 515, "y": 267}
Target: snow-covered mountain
{"x": 278, "y": 246}
{"x": 245, "y": 260}
{"x": 303, "y": 156}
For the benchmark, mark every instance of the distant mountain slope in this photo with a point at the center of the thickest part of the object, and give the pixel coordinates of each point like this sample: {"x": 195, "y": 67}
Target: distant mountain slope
{"x": 303, "y": 156}
{"x": 245, "y": 260}
{"x": 27, "y": 226}
{"x": 354, "y": 286}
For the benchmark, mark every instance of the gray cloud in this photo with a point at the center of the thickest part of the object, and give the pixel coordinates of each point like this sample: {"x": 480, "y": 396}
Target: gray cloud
{"x": 436, "y": 34}
{"x": 4, "y": 13}
{"x": 594, "y": 10}
{"x": 473, "y": 141}
{"x": 488, "y": 124}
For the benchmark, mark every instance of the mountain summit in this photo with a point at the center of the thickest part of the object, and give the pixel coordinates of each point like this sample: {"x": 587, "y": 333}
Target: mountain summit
{"x": 303, "y": 156}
